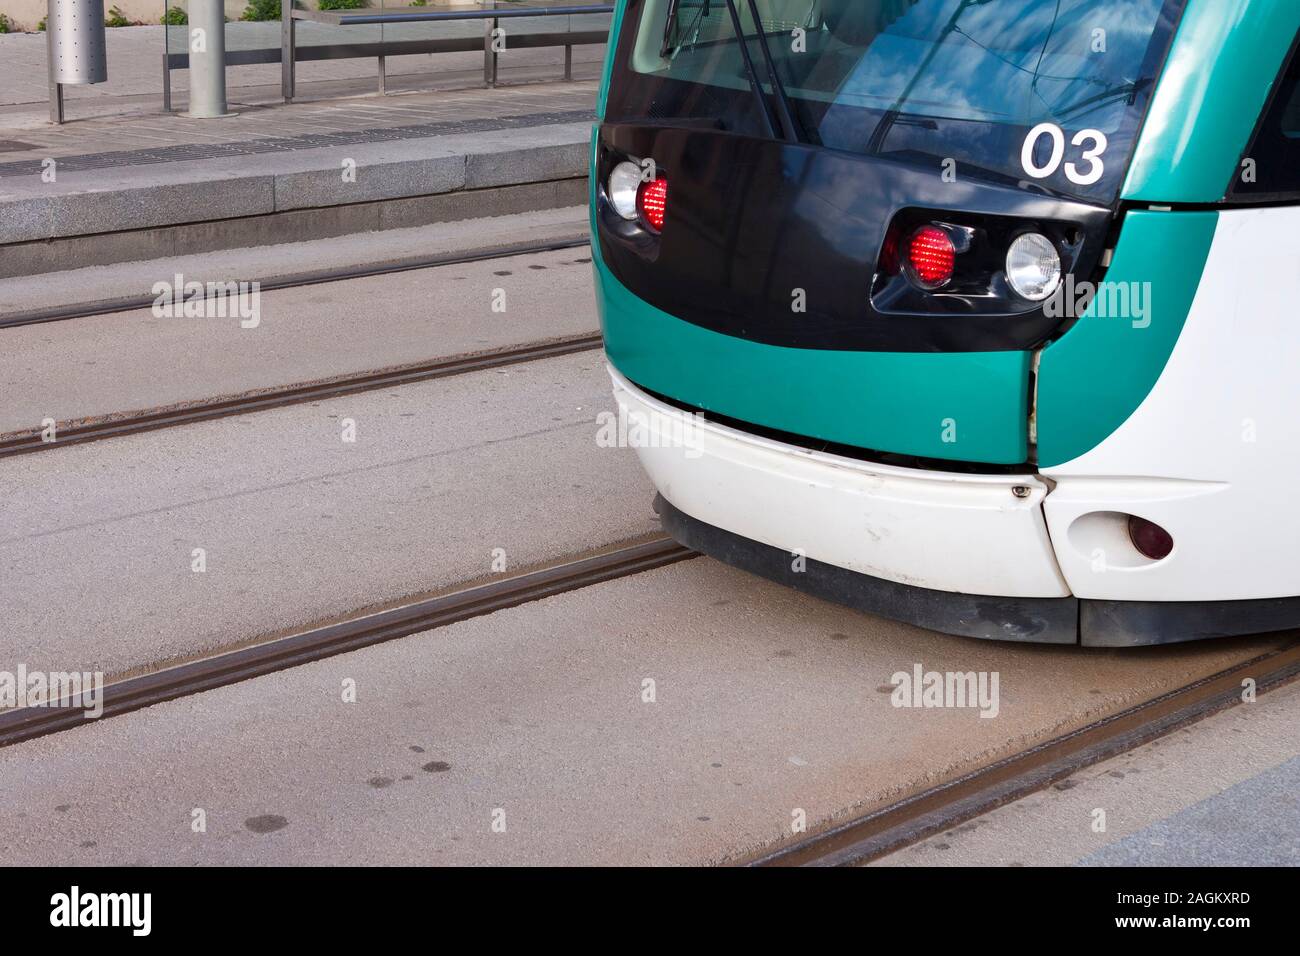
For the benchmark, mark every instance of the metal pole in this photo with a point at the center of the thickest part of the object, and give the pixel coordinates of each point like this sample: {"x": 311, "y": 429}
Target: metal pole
{"x": 489, "y": 54}
{"x": 568, "y": 61}
{"x": 207, "y": 59}
{"x": 56, "y": 92}
{"x": 167, "y": 81}
{"x": 286, "y": 50}
{"x": 383, "y": 77}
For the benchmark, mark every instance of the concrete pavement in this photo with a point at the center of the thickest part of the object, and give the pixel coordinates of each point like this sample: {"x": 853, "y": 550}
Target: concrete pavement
{"x": 295, "y": 522}
{"x": 104, "y": 365}
{"x": 1221, "y": 792}
{"x": 528, "y": 736}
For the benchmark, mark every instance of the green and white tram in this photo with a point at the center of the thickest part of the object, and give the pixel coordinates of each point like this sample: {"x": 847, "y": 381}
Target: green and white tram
{"x": 978, "y": 314}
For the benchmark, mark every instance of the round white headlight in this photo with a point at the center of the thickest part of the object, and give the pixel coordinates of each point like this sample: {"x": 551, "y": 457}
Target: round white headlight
{"x": 1033, "y": 267}
{"x": 624, "y": 182}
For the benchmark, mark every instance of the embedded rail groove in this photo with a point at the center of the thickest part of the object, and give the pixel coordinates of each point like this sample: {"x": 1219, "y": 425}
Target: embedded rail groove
{"x": 130, "y": 423}
{"x": 219, "y": 670}
{"x": 299, "y": 279}
{"x": 880, "y": 832}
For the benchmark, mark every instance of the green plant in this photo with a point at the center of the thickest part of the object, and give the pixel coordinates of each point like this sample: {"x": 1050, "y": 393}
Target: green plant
{"x": 6, "y": 25}
{"x": 176, "y": 17}
{"x": 342, "y": 4}
{"x": 419, "y": 3}
{"x": 40, "y": 25}
{"x": 260, "y": 10}
{"x": 116, "y": 18}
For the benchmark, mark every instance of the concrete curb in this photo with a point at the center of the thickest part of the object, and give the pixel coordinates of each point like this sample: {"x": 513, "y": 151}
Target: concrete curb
{"x": 96, "y": 216}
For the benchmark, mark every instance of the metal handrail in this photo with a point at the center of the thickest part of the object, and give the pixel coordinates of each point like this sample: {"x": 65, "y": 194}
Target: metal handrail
{"x": 351, "y": 17}
{"x": 288, "y": 17}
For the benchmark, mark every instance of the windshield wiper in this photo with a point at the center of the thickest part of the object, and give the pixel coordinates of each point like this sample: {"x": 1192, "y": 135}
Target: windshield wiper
{"x": 669, "y": 50}
{"x": 666, "y": 47}
{"x": 751, "y": 74}
{"x": 783, "y": 112}
{"x": 783, "y": 115}
{"x": 891, "y": 116}
{"x": 1128, "y": 91}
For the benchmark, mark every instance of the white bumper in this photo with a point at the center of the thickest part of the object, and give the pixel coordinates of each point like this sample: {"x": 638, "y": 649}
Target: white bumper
{"x": 949, "y": 532}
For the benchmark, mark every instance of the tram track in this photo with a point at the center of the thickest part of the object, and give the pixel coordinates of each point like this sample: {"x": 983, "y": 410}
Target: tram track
{"x": 854, "y": 842}
{"x": 872, "y": 835}
{"x": 350, "y": 634}
{"x": 295, "y": 280}
{"x": 130, "y": 423}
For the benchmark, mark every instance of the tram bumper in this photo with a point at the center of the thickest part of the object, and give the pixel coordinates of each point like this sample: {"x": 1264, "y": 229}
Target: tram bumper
{"x": 958, "y": 553}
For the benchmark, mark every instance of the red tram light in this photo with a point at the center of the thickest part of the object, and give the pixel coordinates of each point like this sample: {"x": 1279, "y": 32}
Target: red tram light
{"x": 653, "y": 200}
{"x": 931, "y": 257}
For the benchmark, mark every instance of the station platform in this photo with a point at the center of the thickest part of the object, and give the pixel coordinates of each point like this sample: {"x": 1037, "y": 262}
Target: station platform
{"x": 124, "y": 181}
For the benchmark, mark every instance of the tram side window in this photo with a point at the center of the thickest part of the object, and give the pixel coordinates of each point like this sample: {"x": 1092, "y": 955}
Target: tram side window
{"x": 1271, "y": 167}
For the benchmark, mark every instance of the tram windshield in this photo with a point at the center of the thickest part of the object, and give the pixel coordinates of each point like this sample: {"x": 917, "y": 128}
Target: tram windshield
{"x": 1049, "y": 90}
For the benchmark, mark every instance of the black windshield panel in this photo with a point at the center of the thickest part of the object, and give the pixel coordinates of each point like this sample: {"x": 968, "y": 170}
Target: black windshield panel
{"x": 1269, "y": 170}
{"x": 1043, "y": 92}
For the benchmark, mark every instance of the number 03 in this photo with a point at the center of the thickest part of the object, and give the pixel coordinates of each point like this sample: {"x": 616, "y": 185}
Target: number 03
{"x": 1092, "y": 156}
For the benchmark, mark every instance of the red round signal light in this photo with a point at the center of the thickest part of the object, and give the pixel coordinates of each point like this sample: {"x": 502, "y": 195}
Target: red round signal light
{"x": 653, "y": 200}
{"x": 931, "y": 257}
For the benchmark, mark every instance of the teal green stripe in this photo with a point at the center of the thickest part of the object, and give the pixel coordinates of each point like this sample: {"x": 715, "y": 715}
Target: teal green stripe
{"x": 1221, "y": 67}
{"x": 887, "y": 401}
{"x": 615, "y": 30}
{"x": 1096, "y": 375}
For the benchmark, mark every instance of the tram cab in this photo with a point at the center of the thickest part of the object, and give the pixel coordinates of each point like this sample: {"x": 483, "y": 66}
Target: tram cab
{"x": 983, "y": 316}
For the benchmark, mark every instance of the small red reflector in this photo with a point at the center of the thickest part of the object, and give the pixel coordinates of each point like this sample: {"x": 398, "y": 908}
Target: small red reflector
{"x": 931, "y": 255}
{"x": 654, "y": 202}
{"x": 1151, "y": 540}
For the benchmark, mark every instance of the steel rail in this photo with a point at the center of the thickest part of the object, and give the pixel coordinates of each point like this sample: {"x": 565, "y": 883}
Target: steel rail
{"x": 882, "y": 831}
{"x": 130, "y": 423}
{"x": 295, "y": 280}
{"x": 219, "y": 670}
